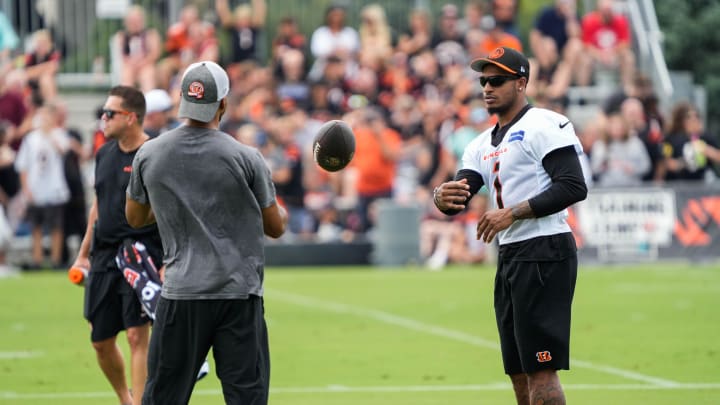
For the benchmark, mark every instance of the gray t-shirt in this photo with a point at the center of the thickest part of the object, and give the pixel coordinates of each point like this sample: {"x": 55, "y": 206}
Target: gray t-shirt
{"x": 207, "y": 191}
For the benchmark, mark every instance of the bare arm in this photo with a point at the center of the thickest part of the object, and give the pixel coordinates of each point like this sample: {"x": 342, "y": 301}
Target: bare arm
{"x": 223, "y": 10}
{"x": 117, "y": 42}
{"x": 154, "y": 48}
{"x": 24, "y": 185}
{"x": 259, "y": 12}
{"x": 388, "y": 152}
{"x": 83, "y": 256}
{"x": 711, "y": 153}
{"x": 35, "y": 71}
{"x": 137, "y": 214}
{"x": 274, "y": 220}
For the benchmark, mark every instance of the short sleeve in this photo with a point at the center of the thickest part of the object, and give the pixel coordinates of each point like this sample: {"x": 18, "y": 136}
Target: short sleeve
{"x": 550, "y": 138}
{"x": 261, "y": 185}
{"x": 136, "y": 186}
{"x": 623, "y": 30}
{"x": 471, "y": 158}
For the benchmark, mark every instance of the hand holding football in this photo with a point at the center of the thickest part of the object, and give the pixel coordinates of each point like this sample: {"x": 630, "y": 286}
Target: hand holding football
{"x": 334, "y": 145}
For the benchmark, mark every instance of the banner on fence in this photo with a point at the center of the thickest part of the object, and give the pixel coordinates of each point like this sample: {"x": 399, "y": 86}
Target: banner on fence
{"x": 649, "y": 223}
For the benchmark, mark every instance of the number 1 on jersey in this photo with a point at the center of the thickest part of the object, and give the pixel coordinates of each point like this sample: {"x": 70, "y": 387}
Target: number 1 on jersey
{"x": 498, "y": 185}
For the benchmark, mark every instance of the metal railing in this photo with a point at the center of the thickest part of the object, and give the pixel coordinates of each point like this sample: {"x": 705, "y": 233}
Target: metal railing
{"x": 649, "y": 37}
{"x": 78, "y": 32}
{"x": 83, "y": 35}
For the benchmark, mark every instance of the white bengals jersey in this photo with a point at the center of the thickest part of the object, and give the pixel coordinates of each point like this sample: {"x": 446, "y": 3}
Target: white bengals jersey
{"x": 513, "y": 171}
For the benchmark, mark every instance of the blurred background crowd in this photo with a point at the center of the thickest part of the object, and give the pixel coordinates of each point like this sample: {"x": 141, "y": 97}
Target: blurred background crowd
{"x": 407, "y": 91}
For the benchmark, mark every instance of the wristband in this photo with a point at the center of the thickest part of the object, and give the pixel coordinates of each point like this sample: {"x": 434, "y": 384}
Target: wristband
{"x": 436, "y": 193}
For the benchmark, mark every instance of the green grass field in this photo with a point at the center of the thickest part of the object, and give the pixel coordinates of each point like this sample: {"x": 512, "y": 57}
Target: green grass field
{"x": 641, "y": 335}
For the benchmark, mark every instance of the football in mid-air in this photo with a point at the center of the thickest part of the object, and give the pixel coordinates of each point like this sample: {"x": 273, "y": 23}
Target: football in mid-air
{"x": 334, "y": 145}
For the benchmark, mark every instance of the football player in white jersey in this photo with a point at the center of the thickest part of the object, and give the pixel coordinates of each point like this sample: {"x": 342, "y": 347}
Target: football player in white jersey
{"x": 529, "y": 162}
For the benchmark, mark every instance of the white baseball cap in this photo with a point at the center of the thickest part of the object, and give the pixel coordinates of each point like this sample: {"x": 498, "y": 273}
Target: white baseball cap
{"x": 157, "y": 100}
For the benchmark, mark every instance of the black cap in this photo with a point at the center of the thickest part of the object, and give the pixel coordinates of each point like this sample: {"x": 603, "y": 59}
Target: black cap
{"x": 506, "y": 59}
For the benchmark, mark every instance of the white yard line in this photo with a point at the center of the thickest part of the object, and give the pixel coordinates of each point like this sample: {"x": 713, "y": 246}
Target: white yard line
{"x": 650, "y": 383}
{"x": 19, "y": 355}
{"x": 381, "y": 316}
{"x": 486, "y": 387}
{"x": 330, "y": 389}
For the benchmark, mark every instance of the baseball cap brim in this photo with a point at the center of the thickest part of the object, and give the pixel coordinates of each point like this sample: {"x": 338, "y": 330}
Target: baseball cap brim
{"x": 478, "y": 65}
{"x": 198, "y": 112}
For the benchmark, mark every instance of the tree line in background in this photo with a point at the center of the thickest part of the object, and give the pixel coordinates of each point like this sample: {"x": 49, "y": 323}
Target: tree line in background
{"x": 692, "y": 43}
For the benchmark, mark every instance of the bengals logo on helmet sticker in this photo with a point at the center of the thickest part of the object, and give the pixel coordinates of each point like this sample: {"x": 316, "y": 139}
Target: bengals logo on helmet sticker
{"x": 196, "y": 89}
{"x": 497, "y": 53}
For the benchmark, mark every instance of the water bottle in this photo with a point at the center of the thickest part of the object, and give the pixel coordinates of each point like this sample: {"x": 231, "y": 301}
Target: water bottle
{"x": 77, "y": 275}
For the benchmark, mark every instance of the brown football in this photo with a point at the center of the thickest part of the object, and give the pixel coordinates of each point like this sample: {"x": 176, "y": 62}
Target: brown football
{"x": 334, "y": 145}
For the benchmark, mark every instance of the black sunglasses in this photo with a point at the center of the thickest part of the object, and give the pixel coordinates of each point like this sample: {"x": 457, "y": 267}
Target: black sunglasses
{"x": 111, "y": 113}
{"x": 496, "y": 81}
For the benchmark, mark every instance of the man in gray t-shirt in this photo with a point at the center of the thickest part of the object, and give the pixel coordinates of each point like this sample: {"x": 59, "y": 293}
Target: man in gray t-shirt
{"x": 213, "y": 200}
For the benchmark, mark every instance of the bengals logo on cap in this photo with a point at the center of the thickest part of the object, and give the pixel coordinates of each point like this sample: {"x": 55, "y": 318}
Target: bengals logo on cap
{"x": 196, "y": 89}
{"x": 497, "y": 53}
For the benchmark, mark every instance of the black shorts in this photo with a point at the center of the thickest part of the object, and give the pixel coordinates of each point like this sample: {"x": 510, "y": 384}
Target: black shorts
{"x": 183, "y": 333}
{"x": 534, "y": 288}
{"x": 48, "y": 216}
{"x": 111, "y": 305}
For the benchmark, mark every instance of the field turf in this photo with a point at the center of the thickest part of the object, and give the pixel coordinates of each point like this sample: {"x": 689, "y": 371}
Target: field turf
{"x": 344, "y": 336}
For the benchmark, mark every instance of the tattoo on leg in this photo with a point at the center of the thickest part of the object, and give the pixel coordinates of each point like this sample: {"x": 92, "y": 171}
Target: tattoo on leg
{"x": 545, "y": 389}
{"x": 520, "y": 386}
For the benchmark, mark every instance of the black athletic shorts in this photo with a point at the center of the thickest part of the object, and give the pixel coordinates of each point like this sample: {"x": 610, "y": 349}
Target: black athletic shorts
{"x": 111, "y": 305}
{"x": 184, "y": 331}
{"x": 534, "y": 288}
{"x": 49, "y": 217}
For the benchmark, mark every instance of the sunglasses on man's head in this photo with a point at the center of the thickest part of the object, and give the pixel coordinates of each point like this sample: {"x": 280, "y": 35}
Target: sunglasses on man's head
{"x": 111, "y": 113}
{"x": 496, "y": 81}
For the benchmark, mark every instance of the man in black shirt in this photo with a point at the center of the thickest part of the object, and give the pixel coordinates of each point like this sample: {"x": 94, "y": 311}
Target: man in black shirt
{"x": 110, "y": 303}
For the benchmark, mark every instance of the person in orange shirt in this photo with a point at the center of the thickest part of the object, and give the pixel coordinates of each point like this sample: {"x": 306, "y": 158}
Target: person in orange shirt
{"x": 377, "y": 148}
{"x": 178, "y": 46}
{"x": 495, "y": 37}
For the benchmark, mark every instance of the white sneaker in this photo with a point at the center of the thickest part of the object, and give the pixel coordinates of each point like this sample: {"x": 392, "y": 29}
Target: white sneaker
{"x": 437, "y": 261}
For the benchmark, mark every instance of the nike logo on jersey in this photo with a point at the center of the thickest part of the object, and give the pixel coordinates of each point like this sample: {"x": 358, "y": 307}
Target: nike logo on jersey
{"x": 564, "y": 125}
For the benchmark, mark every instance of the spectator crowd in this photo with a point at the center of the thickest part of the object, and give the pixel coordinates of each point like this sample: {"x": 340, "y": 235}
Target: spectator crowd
{"x": 409, "y": 95}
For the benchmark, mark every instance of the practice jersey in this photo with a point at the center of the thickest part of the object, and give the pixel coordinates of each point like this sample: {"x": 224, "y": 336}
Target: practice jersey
{"x": 513, "y": 170}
